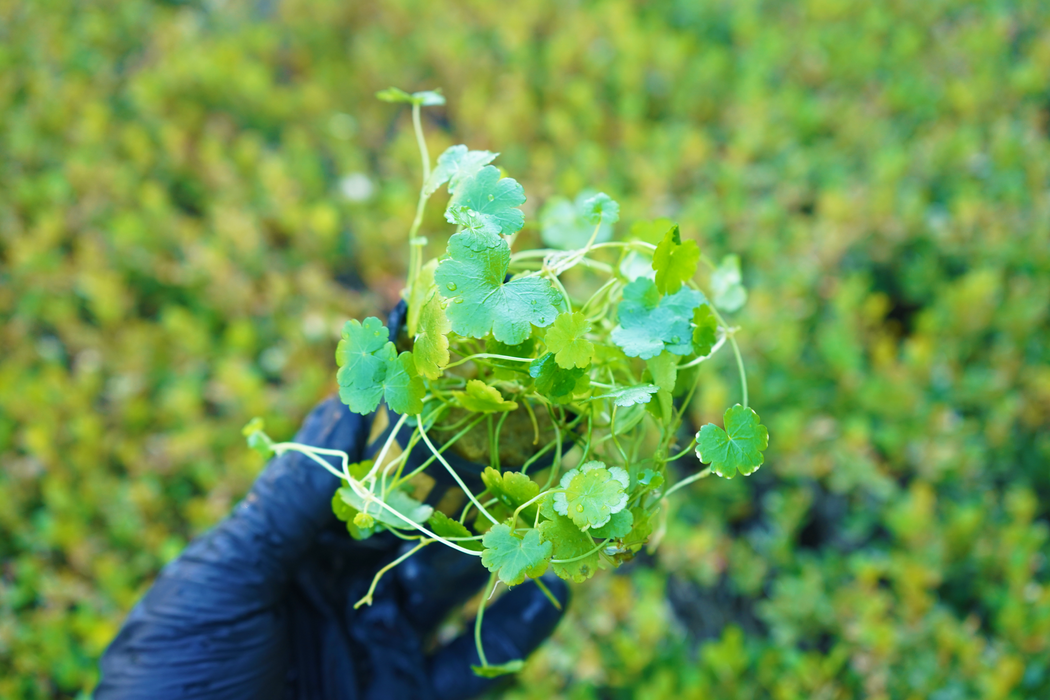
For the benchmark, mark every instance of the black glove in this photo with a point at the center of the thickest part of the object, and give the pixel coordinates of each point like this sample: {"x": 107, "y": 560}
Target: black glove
{"x": 262, "y": 605}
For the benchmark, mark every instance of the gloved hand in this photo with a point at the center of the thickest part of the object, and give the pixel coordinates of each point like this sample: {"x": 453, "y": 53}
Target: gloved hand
{"x": 262, "y": 605}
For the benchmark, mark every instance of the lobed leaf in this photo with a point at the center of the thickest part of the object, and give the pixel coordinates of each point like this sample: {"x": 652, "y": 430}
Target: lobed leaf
{"x": 512, "y": 489}
{"x": 444, "y": 526}
{"x": 618, "y": 527}
{"x": 403, "y": 388}
{"x": 601, "y": 208}
{"x": 482, "y": 302}
{"x": 675, "y": 262}
{"x": 565, "y": 338}
{"x": 557, "y": 384}
{"x": 592, "y": 494}
{"x": 569, "y": 542}
{"x": 729, "y": 293}
{"x": 705, "y": 330}
{"x": 482, "y": 398}
{"x": 512, "y": 558}
{"x": 456, "y": 164}
{"x": 493, "y": 199}
{"x": 431, "y": 345}
{"x": 737, "y": 448}
{"x": 651, "y": 323}
{"x": 631, "y": 395}
{"x": 566, "y": 224}
{"x": 398, "y": 500}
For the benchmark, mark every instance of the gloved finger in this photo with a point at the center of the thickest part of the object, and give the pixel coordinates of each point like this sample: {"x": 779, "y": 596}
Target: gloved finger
{"x": 512, "y": 629}
{"x": 435, "y": 581}
{"x": 279, "y": 519}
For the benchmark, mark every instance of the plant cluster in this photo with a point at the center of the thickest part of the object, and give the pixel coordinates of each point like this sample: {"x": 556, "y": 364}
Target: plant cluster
{"x": 598, "y": 337}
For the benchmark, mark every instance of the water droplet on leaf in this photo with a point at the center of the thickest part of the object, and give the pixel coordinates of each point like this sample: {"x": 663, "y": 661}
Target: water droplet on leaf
{"x": 579, "y": 508}
{"x": 452, "y": 287}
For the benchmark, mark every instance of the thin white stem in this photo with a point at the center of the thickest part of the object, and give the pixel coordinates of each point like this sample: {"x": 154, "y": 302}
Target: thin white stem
{"x": 470, "y": 495}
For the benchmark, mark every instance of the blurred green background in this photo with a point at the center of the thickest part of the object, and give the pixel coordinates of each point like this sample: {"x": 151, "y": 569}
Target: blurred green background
{"x": 195, "y": 195}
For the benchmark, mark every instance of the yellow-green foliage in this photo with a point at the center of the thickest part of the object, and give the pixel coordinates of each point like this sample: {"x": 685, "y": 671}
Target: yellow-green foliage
{"x": 178, "y": 251}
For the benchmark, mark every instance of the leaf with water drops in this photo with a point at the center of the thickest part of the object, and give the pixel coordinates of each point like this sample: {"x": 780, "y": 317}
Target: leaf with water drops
{"x": 494, "y": 200}
{"x": 482, "y": 302}
{"x": 631, "y": 395}
{"x": 592, "y": 494}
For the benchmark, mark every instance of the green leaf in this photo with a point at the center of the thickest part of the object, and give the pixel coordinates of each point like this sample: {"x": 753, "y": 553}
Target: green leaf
{"x": 729, "y": 293}
{"x": 429, "y": 98}
{"x": 510, "y": 369}
{"x": 494, "y": 200}
{"x": 565, "y": 224}
{"x": 431, "y": 344}
{"x": 422, "y": 290}
{"x": 398, "y": 500}
{"x": 631, "y": 395}
{"x": 426, "y": 98}
{"x": 403, "y": 388}
{"x": 705, "y": 331}
{"x": 456, "y": 164}
{"x": 650, "y": 231}
{"x": 258, "y": 440}
{"x": 640, "y": 531}
{"x": 482, "y": 398}
{"x": 480, "y": 232}
{"x": 601, "y": 208}
{"x": 498, "y": 670}
{"x": 565, "y": 339}
{"x": 570, "y": 542}
{"x": 393, "y": 94}
{"x": 593, "y": 493}
{"x": 649, "y": 323}
{"x": 512, "y": 489}
{"x": 618, "y": 527}
{"x": 552, "y": 381}
{"x": 675, "y": 262}
{"x": 513, "y": 558}
{"x": 364, "y": 355}
{"x": 444, "y": 526}
{"x": 664, "y": 372}
{"x": 483, "y": 303}
{"x": 737, "y": 448}
{"x": 651, "y": 479}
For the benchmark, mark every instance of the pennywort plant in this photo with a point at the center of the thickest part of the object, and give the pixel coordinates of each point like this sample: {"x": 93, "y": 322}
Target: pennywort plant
{"x": 583, "y": 352}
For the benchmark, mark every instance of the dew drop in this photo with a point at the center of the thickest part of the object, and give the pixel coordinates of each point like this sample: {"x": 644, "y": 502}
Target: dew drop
{"x": 675, "y": 339}
{"x": 492, "y": 198}
{"x": 579, "y": 508}
{"x": 459, "y": 300}
{"x": 605, "y": 507}
{"x": 452, "y": 287}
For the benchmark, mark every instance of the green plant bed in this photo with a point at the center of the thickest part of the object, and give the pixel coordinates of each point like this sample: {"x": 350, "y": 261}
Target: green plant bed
{"x": 549, "y": 385}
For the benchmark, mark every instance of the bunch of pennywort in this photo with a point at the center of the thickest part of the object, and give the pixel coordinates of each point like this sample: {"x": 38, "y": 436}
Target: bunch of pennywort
{"x": 562, "y": 373}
